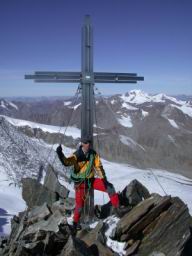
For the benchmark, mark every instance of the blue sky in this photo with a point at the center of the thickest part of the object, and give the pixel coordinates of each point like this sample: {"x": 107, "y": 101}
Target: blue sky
{"x": 150, "y": 37}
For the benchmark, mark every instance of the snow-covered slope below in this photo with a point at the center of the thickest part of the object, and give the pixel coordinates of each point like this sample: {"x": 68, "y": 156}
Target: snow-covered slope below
{"x": 157, "y": 181}
{"x": 10, "y": 201}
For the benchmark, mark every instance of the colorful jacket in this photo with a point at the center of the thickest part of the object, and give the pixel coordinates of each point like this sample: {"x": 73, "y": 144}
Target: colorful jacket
{"x": 80, "y": 161}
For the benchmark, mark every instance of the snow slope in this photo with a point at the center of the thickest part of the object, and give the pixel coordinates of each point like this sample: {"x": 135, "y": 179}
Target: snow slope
{"x": 157, "y": 181}
{"x": 71, "y": 131}
{"x": 10, "y": 200}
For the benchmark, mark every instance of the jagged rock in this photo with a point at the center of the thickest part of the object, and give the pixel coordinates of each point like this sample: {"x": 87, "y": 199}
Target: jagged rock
{"x": 98, "y": 249}
{"x": 96, "y": 234}
{"x": 18, "y": 250}
{"x": 147, "y": 219}
{"x": 46, "y": 243}
{"x": 66, "y": 207}
{"x": 130, "y": 196}
{"x": 171, "y": 231}
{"x": 3, "y": 244}
{"x": 18, "y": 227}
{"x": 15, "y": 223}
{"x": 76, "y": 247}
{"x": 42, "y": 236}
{"x": 156, "y": 226}
{"x": 51, "y": 244}
{"x": 51, "y": 183}
{"x": 35, "y": 194}
{"x": 161, "y": 224}
{"x": 51, "y": 224}
{"x": 132, "y": 248}
{"x": 188, "y": 247}
{"x": 96, "y": 240}
{"x": 132, "y": 217}
{"x": 38, "y": 214}
{"x": 33, "y": 248}
{"x": 133, "y": 193}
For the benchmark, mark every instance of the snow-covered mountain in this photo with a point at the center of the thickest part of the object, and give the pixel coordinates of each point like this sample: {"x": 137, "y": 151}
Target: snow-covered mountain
{"x": 146, "y": 131}
{"x": 21, "y": 156}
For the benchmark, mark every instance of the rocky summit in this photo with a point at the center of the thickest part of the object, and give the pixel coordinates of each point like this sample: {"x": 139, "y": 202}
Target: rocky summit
{"x": 147, "y": 224}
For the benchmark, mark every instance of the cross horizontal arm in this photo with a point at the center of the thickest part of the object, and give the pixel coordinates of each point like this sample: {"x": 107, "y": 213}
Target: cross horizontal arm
{"x": 102, "y": 77}
{"x": 114, "y": 74}
{"x": 43, "y": 76}
{"x": 76, "y": 77}
{"x": 57, "y": 80}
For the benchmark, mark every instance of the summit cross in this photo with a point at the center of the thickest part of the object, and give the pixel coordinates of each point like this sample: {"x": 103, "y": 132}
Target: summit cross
{"x": 86, "y": 78}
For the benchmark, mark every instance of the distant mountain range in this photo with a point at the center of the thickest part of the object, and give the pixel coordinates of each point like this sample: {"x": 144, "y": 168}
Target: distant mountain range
{"x": 52, "y": 98}
{"x": 146, "y": 131}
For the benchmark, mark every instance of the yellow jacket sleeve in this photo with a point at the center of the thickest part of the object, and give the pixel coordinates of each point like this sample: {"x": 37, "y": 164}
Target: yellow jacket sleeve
{"x": 68, "y": 161}
{"x": 99, "y": 167}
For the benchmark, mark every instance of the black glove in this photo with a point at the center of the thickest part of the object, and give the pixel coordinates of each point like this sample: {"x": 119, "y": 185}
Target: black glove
{"x": 60, "y": 153}
{"x": 59, "y": 150}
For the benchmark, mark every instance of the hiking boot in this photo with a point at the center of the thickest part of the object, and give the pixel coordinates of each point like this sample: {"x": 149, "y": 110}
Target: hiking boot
{"x": 77, "y": 226}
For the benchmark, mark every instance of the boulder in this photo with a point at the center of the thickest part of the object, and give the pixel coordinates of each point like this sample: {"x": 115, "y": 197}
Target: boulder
{"x": 158, "y": 224}
{"x": 96, "y": 234}
{"x": 66, "y": 207}
{"x": 170, "y": 231}
{"x": 96, "y": 240}
{"x": 130, "y": 196}
{"x": 35, "y": 194}
{"x": 52, "y": 183}
{"x": 38, "y": 213}
{"x": 51, "y": 224}
{"x": 133, "y": 193}
{"x": 76, "y": 247}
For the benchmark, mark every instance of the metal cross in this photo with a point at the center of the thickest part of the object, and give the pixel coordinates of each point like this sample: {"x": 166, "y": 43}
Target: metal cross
{"x": 87, "y": 78}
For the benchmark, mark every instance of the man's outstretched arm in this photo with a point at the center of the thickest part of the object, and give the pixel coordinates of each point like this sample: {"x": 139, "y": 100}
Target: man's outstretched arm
{"x": 67, "y": 161}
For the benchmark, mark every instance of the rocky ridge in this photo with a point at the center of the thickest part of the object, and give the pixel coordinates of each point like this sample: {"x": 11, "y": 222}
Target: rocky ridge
{"x": 149, "y": 225}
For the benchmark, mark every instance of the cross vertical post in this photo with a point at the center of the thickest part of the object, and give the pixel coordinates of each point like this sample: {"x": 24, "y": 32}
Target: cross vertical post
{"x": 87, "y": 83}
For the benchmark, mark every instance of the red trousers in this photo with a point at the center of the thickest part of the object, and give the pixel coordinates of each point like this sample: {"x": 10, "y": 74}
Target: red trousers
{"x": 97, "y": 184}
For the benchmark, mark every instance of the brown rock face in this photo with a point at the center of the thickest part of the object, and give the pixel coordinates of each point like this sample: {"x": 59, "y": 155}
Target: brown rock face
{"x": 158, "y": 224}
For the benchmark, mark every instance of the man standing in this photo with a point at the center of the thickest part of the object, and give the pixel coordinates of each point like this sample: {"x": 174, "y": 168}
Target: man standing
{"x": 86, "y": 164}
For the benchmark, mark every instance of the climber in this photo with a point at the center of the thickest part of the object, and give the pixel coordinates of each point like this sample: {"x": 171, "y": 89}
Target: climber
{"x": 85, "y": 161}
